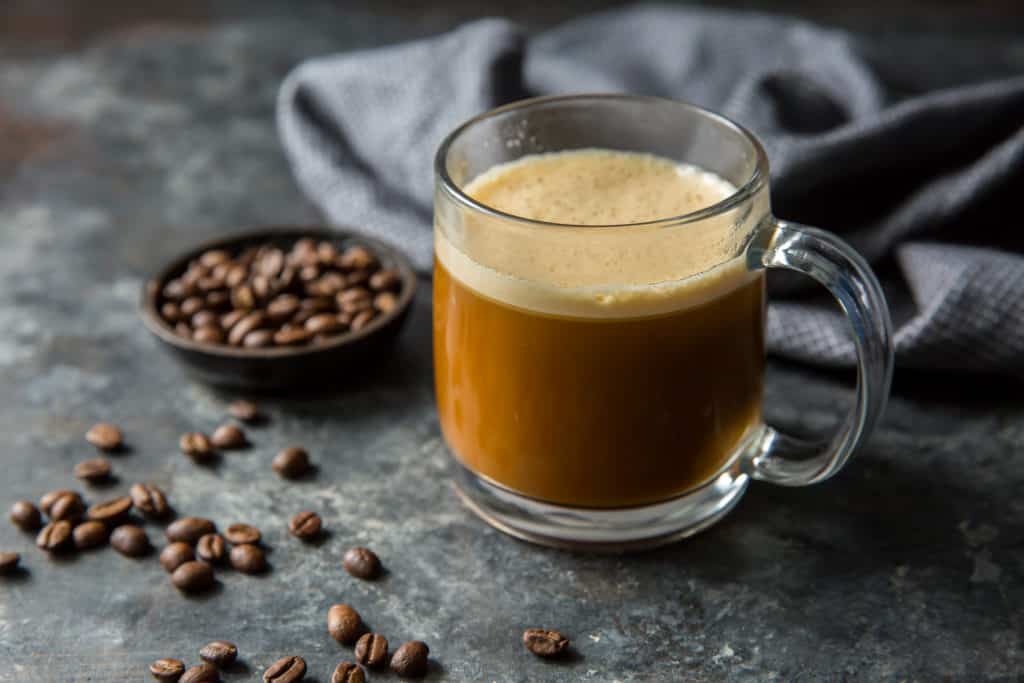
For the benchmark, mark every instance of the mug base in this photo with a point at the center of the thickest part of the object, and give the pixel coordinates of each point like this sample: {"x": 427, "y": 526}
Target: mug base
{"x": 600, "y": 530}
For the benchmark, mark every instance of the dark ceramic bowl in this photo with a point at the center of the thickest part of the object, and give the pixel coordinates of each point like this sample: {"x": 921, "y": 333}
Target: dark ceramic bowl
{"x": 319, "y": 367}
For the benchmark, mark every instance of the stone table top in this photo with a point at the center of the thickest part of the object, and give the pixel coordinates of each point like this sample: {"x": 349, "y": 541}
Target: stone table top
{"x": 125, "y": 138}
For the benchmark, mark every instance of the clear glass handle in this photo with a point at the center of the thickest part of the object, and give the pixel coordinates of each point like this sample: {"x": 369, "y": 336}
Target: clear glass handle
{"x": 785, "y": 460}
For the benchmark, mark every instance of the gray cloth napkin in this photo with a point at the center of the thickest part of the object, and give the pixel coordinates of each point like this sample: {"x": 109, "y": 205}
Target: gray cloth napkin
{"x": 922, "y": 187}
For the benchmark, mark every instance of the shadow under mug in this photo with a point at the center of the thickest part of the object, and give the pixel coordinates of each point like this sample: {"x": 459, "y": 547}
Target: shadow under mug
{"x": 574, "y": 427}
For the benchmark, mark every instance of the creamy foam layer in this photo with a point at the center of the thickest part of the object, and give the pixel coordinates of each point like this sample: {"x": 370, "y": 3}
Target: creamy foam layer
{"x": 607, "y": 272}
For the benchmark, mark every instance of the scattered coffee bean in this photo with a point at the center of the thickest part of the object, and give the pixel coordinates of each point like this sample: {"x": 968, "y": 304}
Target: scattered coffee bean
{"x": 110, "y": 511}
{"x": 196, "y": 445}
{"x": 220, "y": 652}
{"x": 361, "y": 563}
{"x": 239, "y": 534}
{"x": 9, "y": 562}
{"x": 228, "y": 436}
{"x": 305, "y": 525}
{"x": 291, "y": 462}
{"x": 201, "y": 673}
{"x": 211, "y": 548}
{"x": 93, "y": 470}
{"x": 193, "y": 577}
{"x": 150, "y": 500}
{"x": 50, "y": 497}
{"x": 372, "y": 650}
{"x": 248, "y": 558}
{"x": 344, "y": 623}
{"x": 176, "y": 554}
{"x": 544, "y": 642}
{"x": 68, "y": 506}
{"x": 347, "y": 672}
{"x": 167, "y": 669}
{"x": 25, "y": 516}
{"x": 130, "y": 540}
{"x": 410, "y": 659}
{"x": 246, "y": 411}
{"x": 55, "y": 536}
{"x": 89, "y": 534}
{"x": 290, "y": 669}
{"x": 189, "y": 529}
{"x": 104, "y": 436}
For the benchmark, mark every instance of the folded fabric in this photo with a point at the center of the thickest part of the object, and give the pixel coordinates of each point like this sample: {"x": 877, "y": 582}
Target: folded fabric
{"x": 922, "y": 187}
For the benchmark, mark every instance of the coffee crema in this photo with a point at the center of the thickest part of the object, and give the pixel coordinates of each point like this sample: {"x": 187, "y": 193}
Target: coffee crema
{"x": 596, "y": 366}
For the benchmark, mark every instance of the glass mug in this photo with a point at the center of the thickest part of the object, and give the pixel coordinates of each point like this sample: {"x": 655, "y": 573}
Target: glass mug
{"x": 574, "y": 426}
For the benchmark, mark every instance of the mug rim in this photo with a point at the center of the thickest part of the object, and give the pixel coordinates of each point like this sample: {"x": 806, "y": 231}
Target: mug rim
{"x": 750, "y": 187}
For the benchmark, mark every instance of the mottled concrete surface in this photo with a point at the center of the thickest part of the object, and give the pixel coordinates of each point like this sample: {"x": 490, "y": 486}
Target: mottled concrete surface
{"x": 126, "y": 135}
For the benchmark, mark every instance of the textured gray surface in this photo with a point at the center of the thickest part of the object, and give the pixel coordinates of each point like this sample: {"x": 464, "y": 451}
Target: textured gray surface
{"x": 125, "y": 146}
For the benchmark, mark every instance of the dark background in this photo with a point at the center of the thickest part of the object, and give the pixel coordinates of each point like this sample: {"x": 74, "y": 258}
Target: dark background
{"x": 129, "y": 131}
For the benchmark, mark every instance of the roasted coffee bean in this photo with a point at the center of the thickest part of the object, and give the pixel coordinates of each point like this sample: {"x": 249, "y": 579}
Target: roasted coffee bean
{"x": 196, "y": 445}
{"x": 220, "y": 652}
{"x": 183, "y": 330}
{"x": 176, "y": 554}
{"x": 357, "y": 278}
{"x": 356, "y": 258}
{"x": 228, "y": 436}
{"x": 248, "y": 559}
{"x": 270, "y": 262}
{"x": 242, "y": 297}
{"x": 385, "y": 280}
{"x": 326, "y": 253}
{"x": 305, "y": 525}
{"x": 218, "y": 301}
{"x": 291, "y": 335}
{"x": 258, "y": 339}
{"x": 317, "y": 304}
{"x": 410, "y": 659}
{"x": 291, "y": 462}
{"x": 211, "y": 548}
{"x": 361, "y": 320}
{"x": 93, "y": 470}
{"x": 68, "y": 507}
{"x": 290, "y": 669}
{"x": 324, "y": 323}
{"x": 210, "y": 283}
{"x": 236, "y": 275}
{"x": 347, "y": 672}
{"x": 25, "y": 516}
{"x": 208, "y": 334}
{"x": 167, "y": 669}
{"x": 9, "y": 562}
{"x": 201, "y": 673}
{"x": 261, "y": 288}
{"x": 149, "y": 500}
{"x": 344, "y": 623}
{"x": 191, "y": 306}
{"x": 110, "y": 511}
{"x": 189, "y": 529}
{"x": 55, "y": 536}
{"x": 361, "y": 563}
{"x": 89, "y": 534}
{"x": 130, "y": 540}
{"x": 229, "y": 320}
{"x": 205, "y": 318}
{"x": 544, "y": 642}
{"x": 385, "y": 302}
{"x": 239, "y": 534}
{"x": 309, "y": 273}
{"x": 192, "y": 576}
{"x": 354, "y": 295}
{"x": 372, "y": 650}
{"x": 176, "y": 290}
{"x": 213, "y": 257}
{"x": 252, "y": 321}
{"x": 170, "y": 312}
{"x": 105, "y": 436}
{"x": 246, "y": 411}
{"x": 49, "y": 498}
{"x": 328, "y": 284}
{"x": 283, "y": 307}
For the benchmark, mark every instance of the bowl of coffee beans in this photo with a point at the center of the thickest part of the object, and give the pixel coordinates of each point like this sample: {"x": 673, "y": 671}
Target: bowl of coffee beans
{"x": 281, "y": 308}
